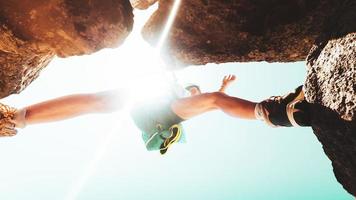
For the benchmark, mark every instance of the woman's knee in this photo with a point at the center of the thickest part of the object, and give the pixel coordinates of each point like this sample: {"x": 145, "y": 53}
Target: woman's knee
{"x": 217, "y": 98}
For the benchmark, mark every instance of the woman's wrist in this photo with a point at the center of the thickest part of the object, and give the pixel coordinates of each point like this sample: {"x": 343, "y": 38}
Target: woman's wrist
{"x": 222, "y": 88}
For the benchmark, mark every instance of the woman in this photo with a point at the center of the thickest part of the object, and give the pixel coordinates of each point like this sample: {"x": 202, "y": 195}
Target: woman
{"x": 160, "y": 119}
{"x": 69, "y": 107}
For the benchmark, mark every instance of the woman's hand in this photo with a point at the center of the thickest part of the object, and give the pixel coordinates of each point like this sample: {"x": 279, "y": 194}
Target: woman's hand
{"x": 227, "y": 80}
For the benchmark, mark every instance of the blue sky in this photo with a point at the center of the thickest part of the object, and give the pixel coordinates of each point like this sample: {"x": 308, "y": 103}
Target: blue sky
{"x": 224, "y": 157}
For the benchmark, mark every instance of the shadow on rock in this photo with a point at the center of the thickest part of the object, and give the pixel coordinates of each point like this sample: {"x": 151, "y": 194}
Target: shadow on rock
{"x": 338, "y": 138}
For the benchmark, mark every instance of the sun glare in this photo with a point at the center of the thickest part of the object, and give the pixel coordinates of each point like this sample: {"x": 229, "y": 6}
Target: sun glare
{"x": 137, "y": 67}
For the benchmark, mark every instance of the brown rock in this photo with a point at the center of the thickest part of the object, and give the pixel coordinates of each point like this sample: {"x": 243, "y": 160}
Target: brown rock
{"x": 33, "y": 31}
{"x": 275, "y": 30}
{"x": 142, "y": 4}
{"x": 331, "y": 86}
{"x": 331, "y": 64}
{"x": 70, "y": 27}
{"x": 215, "y": 31}
{"x": 331, "y": 76}
{"x": 338, "y": 138}
{"x": 20, "y": 62}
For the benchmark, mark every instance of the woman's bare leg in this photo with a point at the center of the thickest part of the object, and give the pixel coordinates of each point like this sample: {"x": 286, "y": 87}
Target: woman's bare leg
{"x": 192, "y": 106}
{"x": 189, "y": 107}
{"x": 236, "y": 107}
{"x": 72, "y": 106}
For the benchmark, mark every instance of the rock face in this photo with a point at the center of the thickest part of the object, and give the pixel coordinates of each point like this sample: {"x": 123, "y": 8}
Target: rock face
{"x": 331, "y": 76}
{"x": 20, "y": 62}
{"x": 142, "y": 4}
{"x": 331, "y": 63}
{"x": 338, "y": 138}
{"x": 205, "y": 31}
{"x": 69, "y": 27}
{"x": 331, "y": 86}
{"x": 33, "y": 31}
{"x": 215, "y": 31}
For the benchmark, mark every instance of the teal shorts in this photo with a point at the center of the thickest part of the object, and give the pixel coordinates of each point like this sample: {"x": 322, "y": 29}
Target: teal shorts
{"x": 155, "y": 119}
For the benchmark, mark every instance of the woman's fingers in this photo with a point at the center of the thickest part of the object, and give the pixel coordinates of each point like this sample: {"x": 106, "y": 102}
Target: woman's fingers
{"x": 230, "y": 77}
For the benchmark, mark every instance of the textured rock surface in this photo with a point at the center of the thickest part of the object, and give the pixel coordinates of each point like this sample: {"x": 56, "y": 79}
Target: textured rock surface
{"x": 338, "y": 138}
{"x": 331, "y": 76}
{"x": 20, "y": 62}
{"x": 331, "y": 63}
{"x": 207, "y": 31}
{"x": 142, "y": 4}
{"x": 33, "y": 31}
{"x": 70, "y": 27}
{"x": 331, "y": 86}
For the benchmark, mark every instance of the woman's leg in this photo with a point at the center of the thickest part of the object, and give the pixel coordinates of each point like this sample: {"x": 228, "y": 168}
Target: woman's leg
{"x": 195, "y": 105}
{"x": 236, "y": 107}
{"x": 71, "y": 106}
{"x": 189, "y": 107}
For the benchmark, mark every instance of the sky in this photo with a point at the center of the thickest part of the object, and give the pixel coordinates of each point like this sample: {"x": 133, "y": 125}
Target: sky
{"x": 103, "y": 156}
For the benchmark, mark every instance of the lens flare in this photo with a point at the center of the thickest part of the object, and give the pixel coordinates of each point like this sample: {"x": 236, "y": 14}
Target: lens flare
{"x": 146, "y": 84}
{"x": 168, "y": 24}
{"x": 92, "y": 165}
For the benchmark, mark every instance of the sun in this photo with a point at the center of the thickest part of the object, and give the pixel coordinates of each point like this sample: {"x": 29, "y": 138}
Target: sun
{"x": 136, "y": 67}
